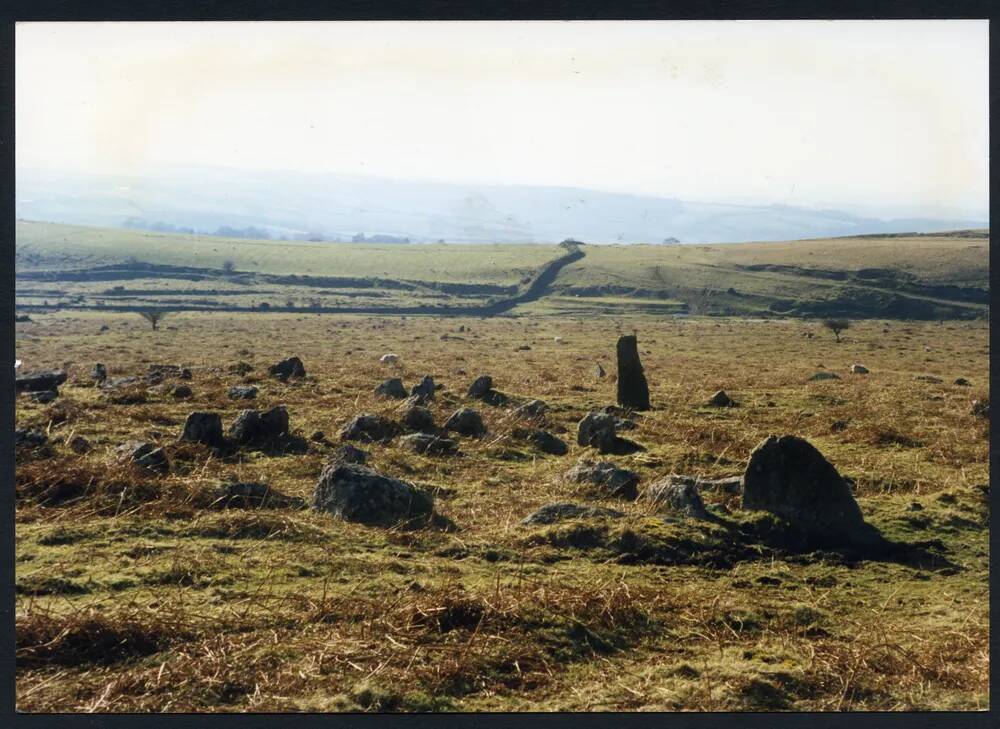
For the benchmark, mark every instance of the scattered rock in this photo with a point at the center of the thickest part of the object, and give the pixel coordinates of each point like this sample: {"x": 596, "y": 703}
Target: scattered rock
{"x": 181, "y": 391}
{"x": 599, "y": 370}
{"x": 857, "y": 369}
{"x": 144, "y": 454}
{"x": 824, "y": 376}
{"x": 838, "y": 426}
{"x": 185, "y": 374}
{"x": 99, "y": 373}
{"x": 39, "y": 381}
{"x": 611, "y": 480}
{"x": 678, "y": 494}
{"x": 79, "y": 445}
{"x": 252, "y": 426}
{"x": 241, "y": 368}
{"x": 788, "y": 477}
{"x": 318, "y": 437}
{"x": 393, "y": 387}
{"x": 44, "y": 396}
{"x": 389, "y": 358}
{"x": 633, "y": 392}
{"x": 522, "y": 348}
{"x": 236, "y": 495}
{"x": 203, "y": 428}
{"x": 423, "y": 391}
{"x": 370, "y": 428}
{"x": 288, "y": 368}
{"x": 482, "y": 385}
{"x": 981, "y": 408}
{"x": 24, "y": 438}
{"x": 532, "y": 409}
{"x": 552, "y": 513}
{"x": 722, "y": 400}
{"x": 466, "y": 421}
{"x": 419, "y": 418}
{"x": 598, "y": 430}
{"x": 242, "y": 392}
{"x": 348, "y": 453}
{"x": 543, "y": 441}
{"x": 430, "y": 444}
{"x": 929, "y": 378}
{"x": 359, "y": 494}
{"x": 962, "y": 382}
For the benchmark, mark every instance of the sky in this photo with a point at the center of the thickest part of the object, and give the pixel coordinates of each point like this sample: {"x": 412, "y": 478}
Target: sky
{"x": 869, "y": 114}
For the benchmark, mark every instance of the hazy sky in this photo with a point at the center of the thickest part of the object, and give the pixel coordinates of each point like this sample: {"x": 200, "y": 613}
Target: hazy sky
{"x": 872, "y": 113}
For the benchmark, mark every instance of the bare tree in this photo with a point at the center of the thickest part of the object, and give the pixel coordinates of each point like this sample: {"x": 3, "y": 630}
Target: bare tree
{"x": 837, "y": 326}
{"x": 153, "y": 316}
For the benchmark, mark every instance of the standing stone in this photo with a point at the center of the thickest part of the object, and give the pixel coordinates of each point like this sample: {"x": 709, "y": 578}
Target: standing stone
{"x": 787, "y": 476}
{"x": 633, "y": 392}
{"x": 99, "y": 373}
{"x": 466, "y": 421}
{"x": 678, "y": 494}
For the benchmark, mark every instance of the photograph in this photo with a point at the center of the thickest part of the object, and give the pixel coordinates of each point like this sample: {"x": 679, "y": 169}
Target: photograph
{"x": 500, "y": 366}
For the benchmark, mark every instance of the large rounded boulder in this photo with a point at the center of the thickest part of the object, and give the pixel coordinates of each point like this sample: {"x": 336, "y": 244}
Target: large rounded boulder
{"x": 357, "y": 493}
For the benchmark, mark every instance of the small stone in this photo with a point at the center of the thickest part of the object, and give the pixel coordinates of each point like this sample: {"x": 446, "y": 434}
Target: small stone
{"x": 318, "y": 437}
{"x": 348, "y": 453}
{"x": 418, "y": 418}
{"x": 144, "y": 454}
{"x": 253, "y": 496}
{"x": 45, "y": 396}
{"x": 370, "y": 428}
{"x": 29, "y": 438}
{"x": 181, "y": 391}
{"x": 423, "y": 390}
{"x": 204, "y": 428}
{"x": 678, "y": 494}
{"x": 466, "y": 421}
{"x": 857, "y": 369}
{"x": 430, "y": 444}
{"x": 79, "y": 445}
{"x": 722, "y": 400}
{"x": 612, "y": 481}
{"x": 288, "y": 368}
{"x": 532, "y": 409}
{"x": 242, "y": 392}
{"x": 555, "y": 512}
{"x": 39, "y": 381}
{"x": 928, "y": 378}
{"x": 962, "y": 382}
{"x": 482, "y": 385}
{"x": 544, "y": 441}
{"x": 393, "y": 387}
{"x": 99, "y": 373}
{"x": 981, "y": 408}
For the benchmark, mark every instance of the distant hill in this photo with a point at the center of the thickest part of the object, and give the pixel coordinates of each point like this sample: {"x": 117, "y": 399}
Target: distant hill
{"x": 336, "y": 207}
{"x": 943, "y": 276}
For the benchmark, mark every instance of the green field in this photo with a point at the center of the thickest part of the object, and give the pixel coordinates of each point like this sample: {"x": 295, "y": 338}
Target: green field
{"x": 939, "y": 276}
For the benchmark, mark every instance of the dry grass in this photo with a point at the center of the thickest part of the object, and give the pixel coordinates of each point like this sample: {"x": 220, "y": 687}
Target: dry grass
{"x": 136, "y": 593}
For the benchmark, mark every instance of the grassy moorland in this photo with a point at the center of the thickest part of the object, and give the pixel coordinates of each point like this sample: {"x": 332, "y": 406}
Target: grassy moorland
{"x": 136, "y": 592}
{"x": 922, "y": 277}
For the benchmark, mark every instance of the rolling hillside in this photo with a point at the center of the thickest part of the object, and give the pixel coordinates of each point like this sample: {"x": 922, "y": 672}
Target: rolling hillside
{"x": 898, "y": 276}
